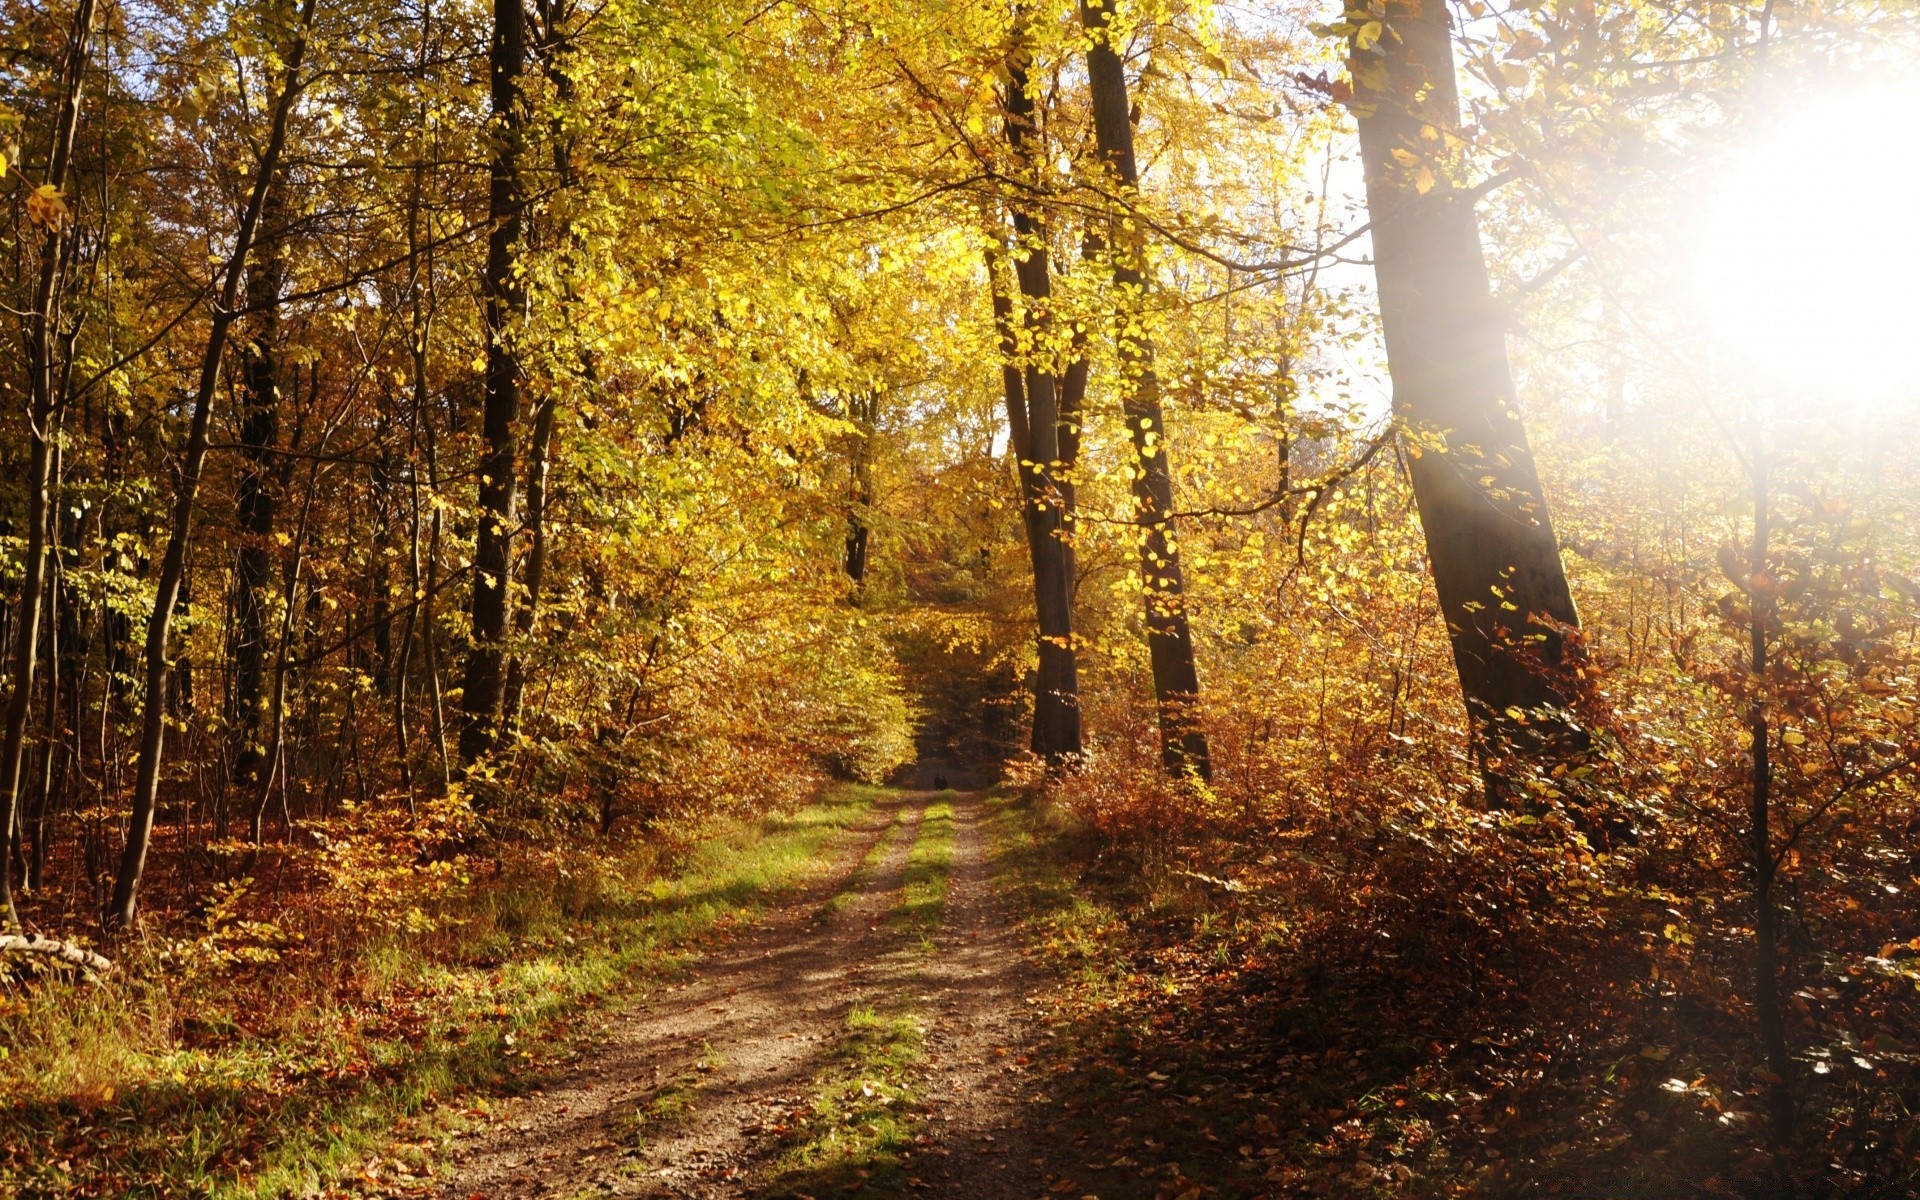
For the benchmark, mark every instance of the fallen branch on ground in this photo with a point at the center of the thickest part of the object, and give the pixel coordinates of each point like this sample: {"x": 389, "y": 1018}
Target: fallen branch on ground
{"x": 66, "y": 952}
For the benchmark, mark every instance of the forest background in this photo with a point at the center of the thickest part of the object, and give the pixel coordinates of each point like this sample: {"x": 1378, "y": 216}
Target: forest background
{"x": 450, "y": 448}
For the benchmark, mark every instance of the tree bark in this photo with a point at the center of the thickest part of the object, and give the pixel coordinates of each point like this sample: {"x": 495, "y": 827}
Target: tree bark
{"x": 1176, "y": 681}
{"x": 1033, "y": 438}
{"x": 1766, "y": 919}
{"x": 173, "y": 566}
{"x": 1496, "y": 564}
{"x": 484, "y": 686}
{"x": 40, "y": 434}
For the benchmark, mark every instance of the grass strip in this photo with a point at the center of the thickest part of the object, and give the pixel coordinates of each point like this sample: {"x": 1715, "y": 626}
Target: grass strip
{"x": 862, "y": 873}
{"x": 923, "y": 892}
{"x": 854, "y": 1133}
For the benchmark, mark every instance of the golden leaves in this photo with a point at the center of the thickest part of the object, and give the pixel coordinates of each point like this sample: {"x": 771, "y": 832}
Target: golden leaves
{"x": 46, "y": 208}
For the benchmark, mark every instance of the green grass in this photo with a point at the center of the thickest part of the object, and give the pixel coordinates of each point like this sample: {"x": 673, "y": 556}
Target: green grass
{"x": 923, "y": 893}
{"x": 1079, "y": 934}
{"x": 859, "y": 1125}
{"x": 281, "y": 1079}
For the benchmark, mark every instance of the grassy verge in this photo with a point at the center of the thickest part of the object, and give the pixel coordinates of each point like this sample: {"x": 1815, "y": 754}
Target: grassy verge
{"x": 923, "y": 892}
{"x": 859, "y": 1124}
{"x": 280, "y": 1078}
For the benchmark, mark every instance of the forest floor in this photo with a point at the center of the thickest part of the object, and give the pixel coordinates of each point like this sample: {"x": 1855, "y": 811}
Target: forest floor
{"x": 973, "y": 1003}
{"x": 879, "y": 994}
{"x": 871, "y": 1033}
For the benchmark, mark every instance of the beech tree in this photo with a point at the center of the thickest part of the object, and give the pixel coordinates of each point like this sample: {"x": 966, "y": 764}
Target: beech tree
{"x": 503, "y": 296}
{"x": 1176, "y": 681}
{"x": 1490, "y": 541}
{"x": 173, "y": 566}
{"x": 1043, "y": 423}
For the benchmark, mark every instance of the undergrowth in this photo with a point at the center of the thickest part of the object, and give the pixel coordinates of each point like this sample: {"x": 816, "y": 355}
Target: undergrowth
{"x": 1230, "y": 1025}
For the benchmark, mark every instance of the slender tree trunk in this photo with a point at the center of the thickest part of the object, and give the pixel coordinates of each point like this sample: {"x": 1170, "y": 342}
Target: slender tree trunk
{"x": 256, "y": 502}
{"x": 173, "y": 566}
{"x": 1766, "y": 935}
{"x": 419, "y": 329}
{"x": 862, "y": 410}
{"x": 1496, "y": 564}
{"x": 35, "y": 821}
{"x": 1176, "y": 681}
{"x": 482, "y": 691}
{"x": 40, "y": 434}
{"x": 276, "y": 714}
{"x": 436, "y": 689}
{"x": 528, "y": 612}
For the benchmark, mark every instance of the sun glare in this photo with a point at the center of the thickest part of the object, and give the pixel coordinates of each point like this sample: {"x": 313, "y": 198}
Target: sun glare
{"x": 1806, "y": 255}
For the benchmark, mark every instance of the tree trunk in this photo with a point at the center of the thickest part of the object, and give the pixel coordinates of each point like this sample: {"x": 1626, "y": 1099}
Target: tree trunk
{"x": 1176, "y": 682}
{"x": 1034, "y": 425}
{"x": 173, "y": 566}
{"x": 862, "y": 410}
{"x": 1496, "y": 564}
{"x": 40, "y": 433}
{"x": 528, "y": 613}
{"x": 1766, "y": 935}
{"x": 255, "y": 503}
{"x": 484, "y": 685}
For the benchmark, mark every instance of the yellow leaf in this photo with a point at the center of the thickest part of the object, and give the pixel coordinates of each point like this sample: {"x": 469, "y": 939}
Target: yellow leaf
{"x": 46, "y": 208}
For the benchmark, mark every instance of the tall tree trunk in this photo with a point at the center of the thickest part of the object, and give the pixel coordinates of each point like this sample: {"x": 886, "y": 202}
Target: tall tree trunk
{"x": 1176, "y": 682}
{"x": 173, "y": 566}
{"x": 255, "y": 503}
{"x": 1056, "y": 689}
{"x": 419, "y": 329}
{"x": 503, "y": 296}
{"x": 1035, "y": 428}
{"x": 1496, "y": 564}
{"x": 555, "y": 16}
{"x": 40, "y": 433}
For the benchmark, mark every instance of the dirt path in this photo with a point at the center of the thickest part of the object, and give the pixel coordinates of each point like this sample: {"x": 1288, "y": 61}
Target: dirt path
{"x": 688, "y": 1094}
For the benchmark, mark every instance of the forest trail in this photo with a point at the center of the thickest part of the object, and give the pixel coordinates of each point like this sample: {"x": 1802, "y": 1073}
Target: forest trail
{"x": 699, "y": 1090}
